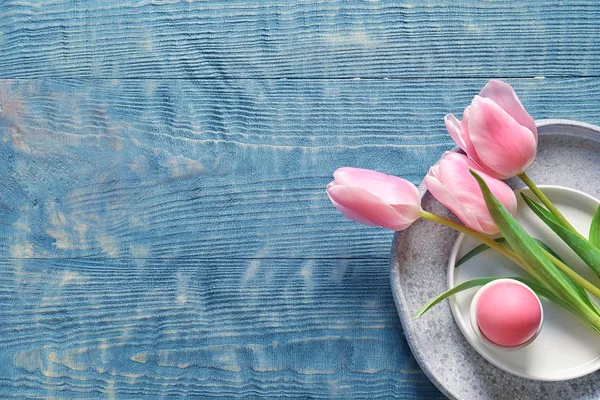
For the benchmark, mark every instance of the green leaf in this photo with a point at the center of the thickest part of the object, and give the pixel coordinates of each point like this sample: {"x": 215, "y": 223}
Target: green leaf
{"x": 456, "y": 289}
{"x": 584, "y": 249}
{"x": 534, "y": 258}
{"x": 502, "y": 240}
{"x": 582, "y": 293}
{"x": 476, "y": 251}
{"x": 547, "y": 248}
{"x": 539, "y": 289}
{"x": 595, "y": 229}
{"x": 542, "y": 291}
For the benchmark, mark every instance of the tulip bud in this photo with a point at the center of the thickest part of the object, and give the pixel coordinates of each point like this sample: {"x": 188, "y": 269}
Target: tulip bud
{"x": 496, "y": 131}
{"x": 375, "y": 199}
{"x": 452, "y": 184}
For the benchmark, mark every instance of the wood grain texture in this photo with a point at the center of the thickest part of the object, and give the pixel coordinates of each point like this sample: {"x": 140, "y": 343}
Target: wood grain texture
{"x": 172, "y": 238}
{"x": 182, "y": 327}
{"x": 290, "y": 38}
{"x": 159, "y": 169}
{"x": 99, "y": 328}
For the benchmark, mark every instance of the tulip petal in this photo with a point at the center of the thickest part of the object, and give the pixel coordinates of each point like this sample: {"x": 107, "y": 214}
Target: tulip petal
{"x": 361, "y": 206}
{"x": 504, "y": 95}
{"x": 447, "y": 198}
{"x": 459, "y": 131}
{"x": 408, "y": 211}
{"x": 453, "y": 128}
{"x": 504, "y": 147}
{"x": 453, "y": 185}
{"x": 348, "y": 175}
{"x": 466, "y": 189}
{"x": 502, "y": 191}
{"x": 390, "y": 189}
{"x": 348, "y": 213}
{"x": 464, "y": 125}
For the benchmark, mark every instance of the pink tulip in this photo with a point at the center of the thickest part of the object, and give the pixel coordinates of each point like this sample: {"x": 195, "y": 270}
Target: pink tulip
{"x": 496, "y": 132}
{"x": 375, "y": 199}
{"x": 453, "y": 185}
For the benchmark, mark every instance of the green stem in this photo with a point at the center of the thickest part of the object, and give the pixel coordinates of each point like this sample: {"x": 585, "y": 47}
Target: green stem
{"x": 551, "y": 207}
{"x": 581, "y": 308}
{"x": 584, "y": 283}
{"x": 508, "y": 253}
{"x": 474, "y": 234}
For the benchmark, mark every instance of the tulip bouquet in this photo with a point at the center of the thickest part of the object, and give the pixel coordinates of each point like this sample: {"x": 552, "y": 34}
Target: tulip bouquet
{"x": 499, "y": 140}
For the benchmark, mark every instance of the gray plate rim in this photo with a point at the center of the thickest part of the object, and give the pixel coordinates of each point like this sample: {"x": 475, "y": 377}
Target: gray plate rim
{"x": 398, "y": 294}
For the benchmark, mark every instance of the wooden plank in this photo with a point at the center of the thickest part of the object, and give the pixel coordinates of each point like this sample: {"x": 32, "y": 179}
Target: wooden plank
{"x": 184, "y": 327}
{"x": 290, "y": 38}
{"x": 169, "y": 168}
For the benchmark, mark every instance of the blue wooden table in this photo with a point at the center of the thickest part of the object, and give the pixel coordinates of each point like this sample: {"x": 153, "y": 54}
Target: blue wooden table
{"x": 164, "y": 228}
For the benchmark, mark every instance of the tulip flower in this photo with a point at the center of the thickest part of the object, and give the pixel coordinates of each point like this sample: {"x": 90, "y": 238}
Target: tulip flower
{"x": 375, "y": 199}
{"x": 500, "y": 140}
{"x": 382, "y": 200}
{"x": 496, "y": 131}
{"x": 501, "y": 137}
{"x": 452, "y": 184}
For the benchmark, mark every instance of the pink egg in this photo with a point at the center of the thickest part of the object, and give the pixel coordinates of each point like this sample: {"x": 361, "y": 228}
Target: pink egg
{"x": 508, "y": 314}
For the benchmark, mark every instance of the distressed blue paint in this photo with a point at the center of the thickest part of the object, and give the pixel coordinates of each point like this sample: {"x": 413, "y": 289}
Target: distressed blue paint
{"x": 202, "y": 328}
{"x": 290, "y": 38}
{"x": 171, "y": 237}
{"x": 246, "y": 160}
{"x": 174, "y": 236}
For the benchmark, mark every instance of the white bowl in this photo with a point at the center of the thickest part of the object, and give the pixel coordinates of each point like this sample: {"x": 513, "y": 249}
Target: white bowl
{"x": 566, "y": 348}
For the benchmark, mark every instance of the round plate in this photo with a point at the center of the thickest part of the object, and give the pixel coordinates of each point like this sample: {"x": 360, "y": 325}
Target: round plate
{"x": 568, "y": 155}
{"x": 566, "y": 347}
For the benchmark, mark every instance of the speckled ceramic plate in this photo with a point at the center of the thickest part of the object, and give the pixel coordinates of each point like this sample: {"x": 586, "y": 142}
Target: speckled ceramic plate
{"x": 568, "y": 155}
